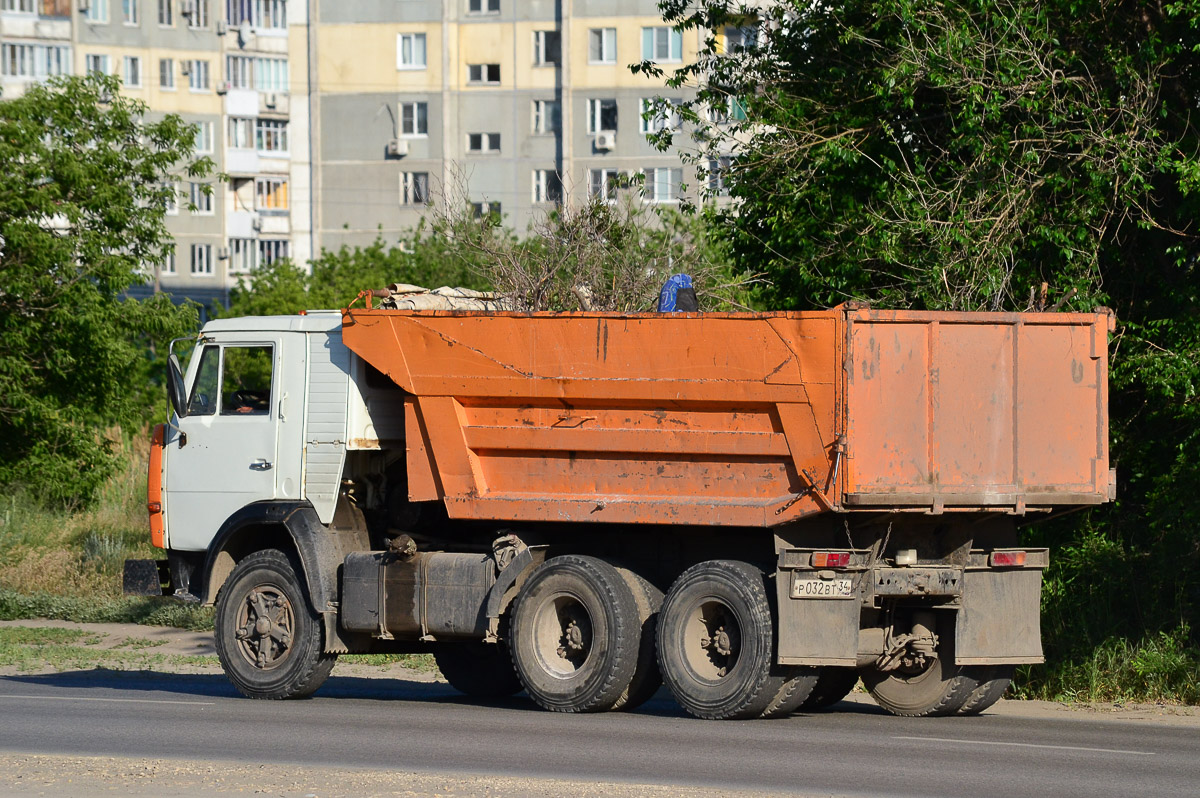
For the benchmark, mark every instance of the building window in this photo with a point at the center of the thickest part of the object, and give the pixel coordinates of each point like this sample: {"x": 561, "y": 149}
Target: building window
{"x": 485, "y": 208}
{"x": 129, "y": 11}
{"x": 271, "y": 251}
{"x": 602, "y": 46}
{"x": 414, "y": 188}
{"x": 204, "y": 137}
{"x": 483, "y": 142}
{"x": 242, "y": 255}
{"x": 483, "y": 6}
{"x": 740, "y": 38}
{"x": 410, "y": 51}
{"x": 547, "y": 187}
{"x": 414, "y": 119}
{"x": 171, "y": 198}
{"x": 654, "y": 118}
{"x": 263, "y": 74}
{"x": 662, "y": 44}
{"x": 241, "y": 133}
{"x": 96, "y": 11}
{"x": 34, "y": 60}
{"x": 603, "y": 183}
{"x": 200, "y": 199}
{"x": 133, "y": 71}
{"x": 197, "y": 72}
{"x": 168, "y": 264}
{"x": 271, "y": 195}
{"x": 96, "y": 64}
{"x": 271, "y": 74}
{"x": 483, "y": 73}
{"x": 602, "y": 115}
{"x": 202, "y": 265}
{"x": 547, "y": 47}
{"x": 197, "y": 13}
{"x": 547, "y": 117}
{"x": 271, "y": 135}
{"x": 257, "y": 13}
{"x": 20, "y": 6}
{"x": 662, "y": 184}
{"x": 166, "y": 13}
{"x": 718, "y": 173}
{"x": 166, "y": 73}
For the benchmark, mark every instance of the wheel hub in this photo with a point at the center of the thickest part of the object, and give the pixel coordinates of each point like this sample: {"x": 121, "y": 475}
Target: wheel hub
{"x": 265, "y": 624}
{"x": 719, "y": 637}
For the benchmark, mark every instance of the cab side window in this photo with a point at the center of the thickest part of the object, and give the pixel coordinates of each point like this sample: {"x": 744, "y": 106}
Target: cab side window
{"x": 246, "y": 381}
{"x": 203, "y": 401}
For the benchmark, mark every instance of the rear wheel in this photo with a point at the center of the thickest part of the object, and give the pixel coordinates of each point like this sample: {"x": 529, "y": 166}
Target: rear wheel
{"x": 575, "y": 635}
{"x": 716, "y": 643}
{"x": 833, "y": 684}
{"x": 646, "y": 678}
{"x": 937, "y": 688}
{"x": 993, "y": 682}
{"x": 268, "y": 637}
{"x": 480, "y": 670}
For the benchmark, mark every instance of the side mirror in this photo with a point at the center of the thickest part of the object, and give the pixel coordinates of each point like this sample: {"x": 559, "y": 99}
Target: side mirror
{"x": 175, "y": 387}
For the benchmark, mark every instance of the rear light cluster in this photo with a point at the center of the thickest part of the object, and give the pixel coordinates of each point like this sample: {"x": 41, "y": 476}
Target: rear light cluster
{"x": 830, "y": 559}
{"x": 1007, "y": 559}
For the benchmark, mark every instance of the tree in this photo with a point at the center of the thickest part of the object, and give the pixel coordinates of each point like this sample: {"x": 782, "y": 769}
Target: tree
{"x": 82, "y": 205}
{"x": 961, "y": 154}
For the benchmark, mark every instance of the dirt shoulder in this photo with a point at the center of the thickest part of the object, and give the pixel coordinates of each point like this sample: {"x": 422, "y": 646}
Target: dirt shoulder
{"x": 168, "y": 650}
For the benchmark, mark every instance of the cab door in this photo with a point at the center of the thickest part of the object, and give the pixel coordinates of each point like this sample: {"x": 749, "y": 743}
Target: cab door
{"x": 222, "y": 456}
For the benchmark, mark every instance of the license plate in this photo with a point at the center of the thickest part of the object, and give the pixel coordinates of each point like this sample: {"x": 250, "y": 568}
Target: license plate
{"x": 807, "y": 587}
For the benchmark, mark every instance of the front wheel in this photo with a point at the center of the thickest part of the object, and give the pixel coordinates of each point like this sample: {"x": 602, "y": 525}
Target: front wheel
{"x": 268, "y": 637}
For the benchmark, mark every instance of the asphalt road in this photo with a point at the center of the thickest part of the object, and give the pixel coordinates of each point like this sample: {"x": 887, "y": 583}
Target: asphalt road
{"x": 394, "y": 724}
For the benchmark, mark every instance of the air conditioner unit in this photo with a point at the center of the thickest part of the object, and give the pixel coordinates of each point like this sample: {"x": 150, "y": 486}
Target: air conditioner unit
{"x": 223, "y": 86}
{"x": 256, "y": 223}
{"x": 397, "y": 148}
{"x": 606, "y": 140}
{"x": 187, "y": 7}
{"x": 85, "y": 5}
{"x": 223, "y": 253}
{"x": 185, "y": 67}
{"x": 222, "y": 28}
{"x": 270, "y": 100}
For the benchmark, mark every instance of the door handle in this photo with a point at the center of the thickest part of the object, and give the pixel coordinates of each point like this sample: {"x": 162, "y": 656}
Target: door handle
{"x": 260, "y": 465}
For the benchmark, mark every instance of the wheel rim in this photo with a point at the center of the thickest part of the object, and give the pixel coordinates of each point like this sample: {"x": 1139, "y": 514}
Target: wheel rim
{"x": 266, "y": 625}
{"x": 562, "y": 635}
{"x": 712, "y": 640}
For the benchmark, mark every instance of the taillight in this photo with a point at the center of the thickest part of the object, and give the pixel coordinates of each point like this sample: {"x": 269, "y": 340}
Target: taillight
{"x": 1007, "y": 559}
{"x": 830, "y": 559}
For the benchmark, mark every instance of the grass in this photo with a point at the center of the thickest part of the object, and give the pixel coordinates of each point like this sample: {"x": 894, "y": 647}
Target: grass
{"x": 29, "y": 649}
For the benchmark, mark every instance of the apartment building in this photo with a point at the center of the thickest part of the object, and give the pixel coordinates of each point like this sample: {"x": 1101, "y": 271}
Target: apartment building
{"x": 336, "y": 121}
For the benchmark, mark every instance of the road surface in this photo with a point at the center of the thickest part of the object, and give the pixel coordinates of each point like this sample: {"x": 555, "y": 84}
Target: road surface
{"x": 395, "y": 724}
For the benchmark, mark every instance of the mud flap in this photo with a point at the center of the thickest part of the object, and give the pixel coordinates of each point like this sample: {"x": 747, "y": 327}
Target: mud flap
{"x": 146, "y": 578}
{"x": 816, "y": 631}
{"x": 999, "y": 622}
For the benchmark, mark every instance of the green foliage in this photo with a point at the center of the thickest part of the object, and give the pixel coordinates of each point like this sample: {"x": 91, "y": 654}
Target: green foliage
{"x": 959, "y": 155}
{"x": 81, "y": 214}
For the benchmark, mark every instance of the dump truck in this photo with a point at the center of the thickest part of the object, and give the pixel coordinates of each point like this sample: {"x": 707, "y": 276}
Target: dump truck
{"x": 755, "y": 509}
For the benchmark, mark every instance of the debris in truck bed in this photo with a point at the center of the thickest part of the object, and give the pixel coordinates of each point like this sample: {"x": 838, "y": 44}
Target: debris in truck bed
{"x": 402, "y": 296}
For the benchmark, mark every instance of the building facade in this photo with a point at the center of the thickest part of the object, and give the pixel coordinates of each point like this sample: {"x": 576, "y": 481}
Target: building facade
{"x": 333, "y": 122}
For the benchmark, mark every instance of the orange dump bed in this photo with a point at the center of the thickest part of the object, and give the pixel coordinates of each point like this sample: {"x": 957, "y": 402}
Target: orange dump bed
{"x": 744, "y": 419}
